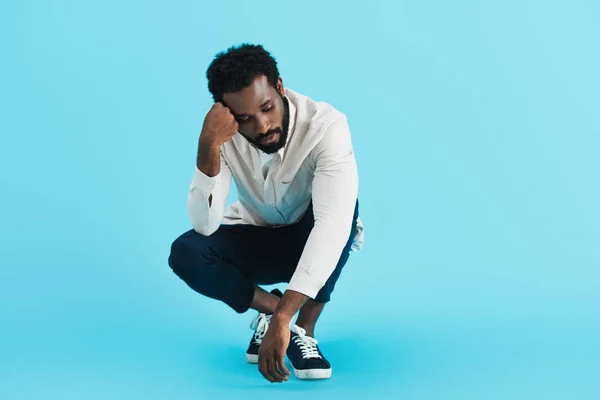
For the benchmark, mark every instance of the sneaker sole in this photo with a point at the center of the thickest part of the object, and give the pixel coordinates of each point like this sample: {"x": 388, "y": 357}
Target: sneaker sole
{"x": 252, "y": 358}
{"x": 305, "y": 374}
{"x": 312, "y": 373}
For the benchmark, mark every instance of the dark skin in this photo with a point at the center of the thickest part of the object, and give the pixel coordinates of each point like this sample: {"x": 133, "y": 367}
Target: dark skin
{"x": 255, "y": 112}
{"x": 259, "y": 110}
{"x": 276, "y": 340}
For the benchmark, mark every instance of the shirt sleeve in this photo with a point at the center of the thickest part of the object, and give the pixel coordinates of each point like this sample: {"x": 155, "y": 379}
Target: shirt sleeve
{"x": 206, "y": 213}
{"x": 334, "y": 194}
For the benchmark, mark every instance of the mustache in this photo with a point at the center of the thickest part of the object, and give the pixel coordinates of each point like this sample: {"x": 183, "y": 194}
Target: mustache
{"x": 272, "y": 131}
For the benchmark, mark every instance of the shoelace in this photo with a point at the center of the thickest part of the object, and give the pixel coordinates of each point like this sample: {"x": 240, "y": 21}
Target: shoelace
{"x": 307, "y": 344}
{"x": 260, "y": 324}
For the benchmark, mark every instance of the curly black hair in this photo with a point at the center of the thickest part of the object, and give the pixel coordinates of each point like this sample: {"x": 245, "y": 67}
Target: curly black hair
{"x": 236, "y": 68}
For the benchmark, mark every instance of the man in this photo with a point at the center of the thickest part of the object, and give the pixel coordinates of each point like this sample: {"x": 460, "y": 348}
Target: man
{"x": 296, "y": 218}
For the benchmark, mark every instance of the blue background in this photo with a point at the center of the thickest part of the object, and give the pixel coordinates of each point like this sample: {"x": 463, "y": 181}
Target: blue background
{"x": 476, "y": 128}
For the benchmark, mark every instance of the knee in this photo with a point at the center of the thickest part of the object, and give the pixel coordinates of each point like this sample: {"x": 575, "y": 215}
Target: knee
{"x": 186, "y": 252}
{"x": 179, "y": 254}
{"x": 191, "y": 252}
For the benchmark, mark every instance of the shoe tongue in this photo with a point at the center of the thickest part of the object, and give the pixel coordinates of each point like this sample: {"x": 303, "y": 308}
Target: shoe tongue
{"x": 298, "y": 330}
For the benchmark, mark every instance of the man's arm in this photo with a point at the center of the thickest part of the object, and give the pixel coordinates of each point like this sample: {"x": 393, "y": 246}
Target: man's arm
{"x": 209, "y": 190}
{"x": 334, "y": 194}
{"x": 212, "y": 177}
{"x": 289, "y": 304}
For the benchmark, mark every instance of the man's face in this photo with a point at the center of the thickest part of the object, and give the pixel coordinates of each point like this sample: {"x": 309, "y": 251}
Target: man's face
{"x": 262, "y": 114}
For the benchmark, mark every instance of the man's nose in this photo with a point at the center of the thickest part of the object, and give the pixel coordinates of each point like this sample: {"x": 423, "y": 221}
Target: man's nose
{"x": 263, "y": 124}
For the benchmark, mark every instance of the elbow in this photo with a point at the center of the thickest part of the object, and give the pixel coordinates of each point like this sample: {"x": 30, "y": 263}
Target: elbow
{"x": 200, "y": 217}
{"x": 202, "y": 224}
{"x": 205, "y": 230}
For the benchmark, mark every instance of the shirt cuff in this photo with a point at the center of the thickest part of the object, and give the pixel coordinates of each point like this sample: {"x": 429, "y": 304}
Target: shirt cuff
{"x": 305, "y": 284}
{"x": 203, "y": 183}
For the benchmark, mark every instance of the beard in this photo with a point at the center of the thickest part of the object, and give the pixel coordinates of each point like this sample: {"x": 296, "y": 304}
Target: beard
{"x": 282, "y": 131}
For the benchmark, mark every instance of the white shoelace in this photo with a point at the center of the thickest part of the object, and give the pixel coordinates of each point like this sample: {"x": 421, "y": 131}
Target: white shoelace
{"x": 260, "y": 324}
{"x": 307, "y": 344}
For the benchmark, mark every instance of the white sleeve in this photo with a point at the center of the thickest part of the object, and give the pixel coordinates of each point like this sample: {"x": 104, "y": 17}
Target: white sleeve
{"x": 334, "y": 194}
{"x": 206, "y": 213}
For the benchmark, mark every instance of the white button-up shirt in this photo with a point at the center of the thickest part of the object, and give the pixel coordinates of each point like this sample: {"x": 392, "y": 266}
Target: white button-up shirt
{"x": 317, "y": 163}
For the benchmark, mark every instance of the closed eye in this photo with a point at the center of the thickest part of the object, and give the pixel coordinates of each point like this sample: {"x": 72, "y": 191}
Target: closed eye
{"x": 245, "y": 120}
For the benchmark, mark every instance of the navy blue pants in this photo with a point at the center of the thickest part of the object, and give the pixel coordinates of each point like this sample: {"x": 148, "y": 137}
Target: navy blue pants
{"x": 229, "y": 263}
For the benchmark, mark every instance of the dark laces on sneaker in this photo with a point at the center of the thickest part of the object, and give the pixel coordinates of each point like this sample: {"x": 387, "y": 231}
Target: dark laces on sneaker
{"x": 307, "y": 344}
{"x": 260, "y": 324}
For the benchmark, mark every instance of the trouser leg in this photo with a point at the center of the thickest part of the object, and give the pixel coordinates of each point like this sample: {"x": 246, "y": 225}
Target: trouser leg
{"x": 228, "y": 264}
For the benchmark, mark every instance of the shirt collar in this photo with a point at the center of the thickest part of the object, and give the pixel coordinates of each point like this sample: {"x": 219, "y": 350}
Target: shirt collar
{"x": 291, "y": 126}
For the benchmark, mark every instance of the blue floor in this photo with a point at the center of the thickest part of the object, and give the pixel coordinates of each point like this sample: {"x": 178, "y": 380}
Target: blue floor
{"x": 108, "y": 332}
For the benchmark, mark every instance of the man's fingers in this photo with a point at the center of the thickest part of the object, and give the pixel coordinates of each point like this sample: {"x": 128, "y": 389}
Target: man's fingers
{"x": 283, "y": 368}
{"x": 272, "y": 363}
{"x": 263, "y": 368}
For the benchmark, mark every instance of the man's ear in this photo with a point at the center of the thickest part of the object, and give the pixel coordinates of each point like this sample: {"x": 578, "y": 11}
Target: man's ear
{"x": 280, "y": 88}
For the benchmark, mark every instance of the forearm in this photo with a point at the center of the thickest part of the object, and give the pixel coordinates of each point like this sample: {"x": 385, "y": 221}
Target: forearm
{"x": 208, "y": 159}
{"x": 289, "y": 304}
{"x": 209, "y": 190}
{"x": 334, "y": 194}
{"x": 320, "y": 256}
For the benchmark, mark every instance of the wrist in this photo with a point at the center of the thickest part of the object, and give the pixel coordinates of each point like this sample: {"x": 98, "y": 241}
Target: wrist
{"x": 208, "y": 145}
{"x": 288, "y": 306}
{"x": 280, "y": 318}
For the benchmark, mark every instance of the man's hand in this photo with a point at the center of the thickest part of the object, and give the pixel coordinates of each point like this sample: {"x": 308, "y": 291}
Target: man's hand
{"x": 219, "y": 126}
{"x": 271, "y": 353}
